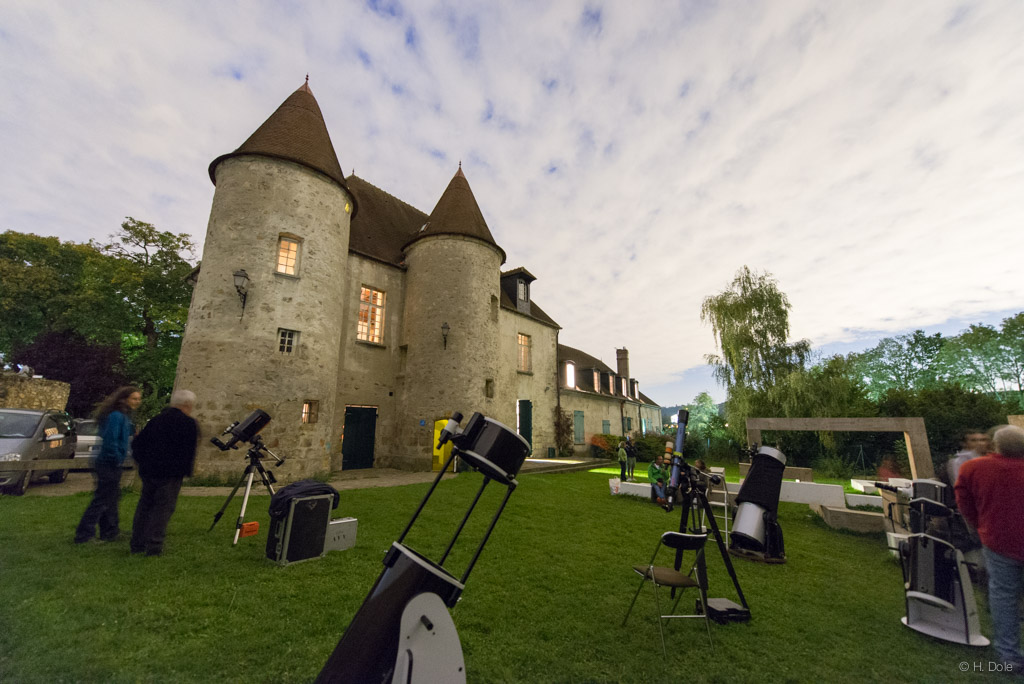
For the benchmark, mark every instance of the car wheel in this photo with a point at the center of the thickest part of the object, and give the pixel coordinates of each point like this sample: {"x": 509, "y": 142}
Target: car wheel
{"x": 22, "y": 485}
{"x": 58, "y": 476}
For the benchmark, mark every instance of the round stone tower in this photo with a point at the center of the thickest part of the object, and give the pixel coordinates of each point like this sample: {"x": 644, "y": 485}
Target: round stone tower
{"x": 451, "y": 331}
{"x": 264, "y": 324}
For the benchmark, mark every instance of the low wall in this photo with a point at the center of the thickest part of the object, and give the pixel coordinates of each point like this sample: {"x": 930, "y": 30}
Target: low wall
{"x": 792, "y": 492}
{"x": 17, "y": 391}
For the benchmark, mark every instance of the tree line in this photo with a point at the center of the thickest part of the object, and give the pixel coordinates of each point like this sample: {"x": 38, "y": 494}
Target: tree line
{"x": 971, "y": 380}
{"x": 97, "y": 315}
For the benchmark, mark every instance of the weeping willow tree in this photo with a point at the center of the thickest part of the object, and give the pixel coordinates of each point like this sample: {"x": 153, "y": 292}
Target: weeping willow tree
{"x": 750, "y": 321}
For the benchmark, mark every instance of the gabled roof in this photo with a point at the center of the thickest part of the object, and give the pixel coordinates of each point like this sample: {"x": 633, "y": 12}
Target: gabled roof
{"x": 582, "y": 360}
{"x": 519, "y": 271}
{"x": 457, "y": 213}
{"x": 295, "y": 132}
{"x": 383, "y": 225}
{"x": 535, "y": 313}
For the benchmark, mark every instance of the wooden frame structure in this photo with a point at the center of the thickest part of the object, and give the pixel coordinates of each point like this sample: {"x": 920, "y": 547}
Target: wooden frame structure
{"x": 912, "y": 428}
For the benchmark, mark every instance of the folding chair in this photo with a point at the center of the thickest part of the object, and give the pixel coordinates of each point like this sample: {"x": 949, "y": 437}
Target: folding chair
{"x": 660, "y": 576}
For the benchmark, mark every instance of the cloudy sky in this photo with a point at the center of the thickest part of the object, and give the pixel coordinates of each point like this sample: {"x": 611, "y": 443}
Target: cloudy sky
{"x": 631, "y": 155}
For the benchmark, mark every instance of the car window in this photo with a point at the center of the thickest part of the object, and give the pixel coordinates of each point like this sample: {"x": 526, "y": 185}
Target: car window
{"x": 88, "y": 428}
{"x": 17, "y": 424}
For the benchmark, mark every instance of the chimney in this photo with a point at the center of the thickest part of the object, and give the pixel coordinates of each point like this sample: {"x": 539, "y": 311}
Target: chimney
{"x": 622, "y": 361}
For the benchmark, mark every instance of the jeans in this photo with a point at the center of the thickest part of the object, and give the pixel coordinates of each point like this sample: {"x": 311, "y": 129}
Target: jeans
{"x": 1005, "y": 585}
{"x": 659, "y": 490}
{"x": 103, "y": 507}
{"x": 622, "y": 471}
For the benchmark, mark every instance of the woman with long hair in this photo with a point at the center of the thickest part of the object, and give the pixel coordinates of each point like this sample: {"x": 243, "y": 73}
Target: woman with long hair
{"x": 114, "y": 415}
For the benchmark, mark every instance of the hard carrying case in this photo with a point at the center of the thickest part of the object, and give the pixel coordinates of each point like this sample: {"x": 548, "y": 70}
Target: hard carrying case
{"x": 300, "y": 532}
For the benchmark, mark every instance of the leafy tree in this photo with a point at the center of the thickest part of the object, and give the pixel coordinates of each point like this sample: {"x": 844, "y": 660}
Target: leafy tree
{"x": 976, "y": 359}
{"x": 50, "y": 286}
{"x": 750, "y": 320}
{"x": 1011, "y": 340}
{"x": 92, "y": 370}
{"x": 901, "y": 362}
{"x": 149, "y": 277}
{"x": 948, "y": 409}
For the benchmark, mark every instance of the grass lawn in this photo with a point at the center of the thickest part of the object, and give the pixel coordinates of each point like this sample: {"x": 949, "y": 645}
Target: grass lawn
{"x": 544, "y": 604}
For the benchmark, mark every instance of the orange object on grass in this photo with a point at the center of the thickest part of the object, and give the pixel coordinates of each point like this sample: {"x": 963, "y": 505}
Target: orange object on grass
{"x": 249, "y": 529}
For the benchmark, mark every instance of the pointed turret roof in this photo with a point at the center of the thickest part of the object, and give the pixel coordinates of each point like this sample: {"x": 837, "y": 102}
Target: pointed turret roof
{"x": 457, "y": 213}
{"x": 295, "y": 132}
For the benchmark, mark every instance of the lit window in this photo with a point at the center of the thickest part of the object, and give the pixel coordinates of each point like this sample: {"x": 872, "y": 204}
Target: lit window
{"x": 287, "y": 256}
{"x": 287, "y": 340}
{"x": 525, "y": 362}
{"x": 371, "y": 316}
{"x": 597, "y": 384}
{"x": 611, "y": 384}
{"x": 310, "y": 411}
{"x": 570, "y": 374}
{"x": 622, "y": 386}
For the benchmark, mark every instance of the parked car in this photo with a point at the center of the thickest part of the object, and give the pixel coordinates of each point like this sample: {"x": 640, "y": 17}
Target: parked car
{"x": 33, "y": 435}
{"x": 89, "y": 440}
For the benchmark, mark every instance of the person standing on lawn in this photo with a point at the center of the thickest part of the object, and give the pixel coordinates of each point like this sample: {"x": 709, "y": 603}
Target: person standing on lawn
{"x": 622, "y": 462}
{"x": 630, "y": 460}
{"x": 166, "y": 452}
{"x": 973, "y": 444}
{"x": 114, "y": 416}
{"x": 990, "y": 495}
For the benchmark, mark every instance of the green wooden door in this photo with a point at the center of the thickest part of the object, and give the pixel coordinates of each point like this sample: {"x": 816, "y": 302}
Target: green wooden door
{"x": 357, "y": 443}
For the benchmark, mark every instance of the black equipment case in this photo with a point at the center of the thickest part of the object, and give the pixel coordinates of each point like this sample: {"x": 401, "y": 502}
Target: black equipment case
{"x": 299, "y": 534}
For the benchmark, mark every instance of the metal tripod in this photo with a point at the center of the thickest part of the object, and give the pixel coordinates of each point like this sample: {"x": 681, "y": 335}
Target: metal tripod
{"x": 695, "y": 499}
{"x": 255, "y": 465}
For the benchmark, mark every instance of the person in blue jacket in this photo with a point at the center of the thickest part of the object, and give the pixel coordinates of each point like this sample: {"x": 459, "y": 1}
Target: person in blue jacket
{"x": 115, "y": 427}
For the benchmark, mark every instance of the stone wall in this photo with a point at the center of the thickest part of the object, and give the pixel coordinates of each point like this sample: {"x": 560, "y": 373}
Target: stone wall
{"x": 597, "y": 409}
{"x": 230, "y": 357}
{"x": 450, "y": 279}
{"x": 32, "y": 393}
{"x": 538, "y": 386}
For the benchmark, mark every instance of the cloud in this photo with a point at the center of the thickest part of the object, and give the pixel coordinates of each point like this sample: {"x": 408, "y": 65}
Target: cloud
{"x": 633, "y": 158}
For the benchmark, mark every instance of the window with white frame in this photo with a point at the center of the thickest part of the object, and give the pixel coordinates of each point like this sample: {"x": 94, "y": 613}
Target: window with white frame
{"x": 288, "y": 255}
{"x": 522, "y": 291}
{"x": 287, "y": 340}
{"x": 525, "y": 359}
{"x": 570, "y": 374}
{"x": 370, "y": 327}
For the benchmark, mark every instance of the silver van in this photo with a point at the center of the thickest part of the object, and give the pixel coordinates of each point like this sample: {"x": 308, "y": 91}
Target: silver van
{"x": 34, "y": 435}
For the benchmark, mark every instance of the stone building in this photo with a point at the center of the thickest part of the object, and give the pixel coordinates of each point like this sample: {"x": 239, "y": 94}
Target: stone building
{"x": 358, "y": 321}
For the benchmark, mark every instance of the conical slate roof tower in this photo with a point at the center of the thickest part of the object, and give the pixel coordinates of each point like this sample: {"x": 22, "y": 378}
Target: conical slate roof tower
{"x": 296, "y": 132}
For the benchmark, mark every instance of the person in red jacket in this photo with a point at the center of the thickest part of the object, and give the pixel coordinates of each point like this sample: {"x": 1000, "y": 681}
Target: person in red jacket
{"x": 990, "y": 495}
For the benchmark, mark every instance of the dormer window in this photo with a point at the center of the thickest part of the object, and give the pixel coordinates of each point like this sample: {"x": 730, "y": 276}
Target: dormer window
{"x": 570, "y": 374}
{"x": 597, "y": 381}
{"x": 622, "y": 387}
{"x": 522, "y": 291}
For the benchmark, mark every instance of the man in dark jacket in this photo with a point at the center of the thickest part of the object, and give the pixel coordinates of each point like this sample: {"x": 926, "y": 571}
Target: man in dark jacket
{"x": 165, "y": 451}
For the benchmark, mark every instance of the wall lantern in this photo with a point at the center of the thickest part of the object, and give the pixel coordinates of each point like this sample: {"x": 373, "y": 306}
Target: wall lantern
{"x": 242, "y": 285}
{"x": 444, "y": 333}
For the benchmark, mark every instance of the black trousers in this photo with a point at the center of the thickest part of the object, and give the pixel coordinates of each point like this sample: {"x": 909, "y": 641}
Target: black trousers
{"x": 102, "y": 509}
{"x": 157, "y": 503}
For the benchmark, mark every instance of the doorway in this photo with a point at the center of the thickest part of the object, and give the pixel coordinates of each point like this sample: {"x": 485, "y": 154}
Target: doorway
{"x": 357, "y": 439}
{"x": 524, "y": 420}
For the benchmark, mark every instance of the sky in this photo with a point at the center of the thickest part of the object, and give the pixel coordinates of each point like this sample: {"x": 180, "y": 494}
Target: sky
{"x": 633, "y": 156}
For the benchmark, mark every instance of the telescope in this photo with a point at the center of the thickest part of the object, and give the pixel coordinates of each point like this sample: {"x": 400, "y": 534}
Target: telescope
{"x": 242, "y": 432}
{"x": 756, "y": 533}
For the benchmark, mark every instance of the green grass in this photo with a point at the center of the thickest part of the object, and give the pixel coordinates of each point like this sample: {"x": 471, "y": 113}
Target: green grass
{"x": 544, "y": 604}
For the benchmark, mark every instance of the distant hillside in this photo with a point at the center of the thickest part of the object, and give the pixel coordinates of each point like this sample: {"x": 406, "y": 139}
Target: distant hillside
{"x": 667, "y": 412}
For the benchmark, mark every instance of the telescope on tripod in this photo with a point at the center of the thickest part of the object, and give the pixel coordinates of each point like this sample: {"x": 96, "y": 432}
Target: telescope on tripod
{"x": 403, "y": 632}
{"x": 688, "y": 487}
{"x": 247, "y": 431}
